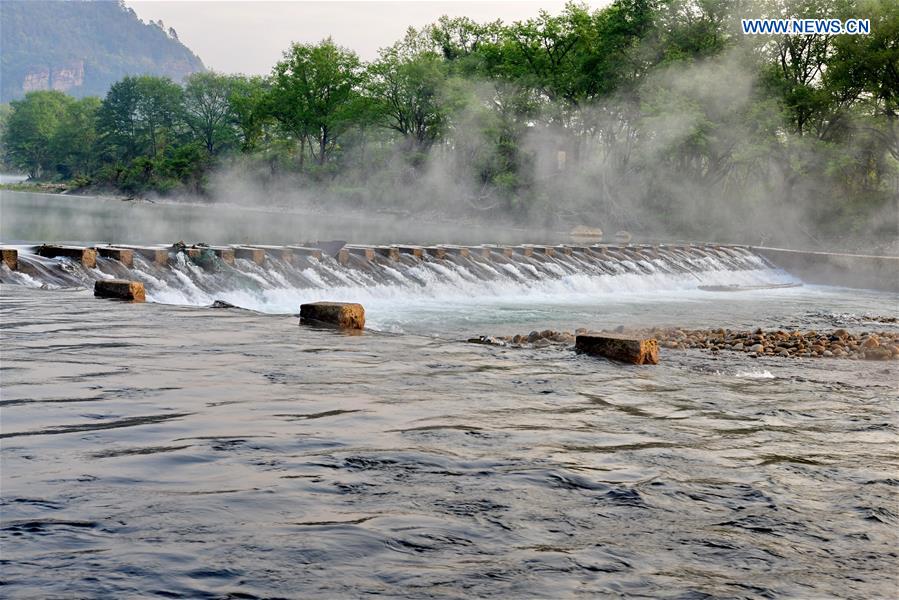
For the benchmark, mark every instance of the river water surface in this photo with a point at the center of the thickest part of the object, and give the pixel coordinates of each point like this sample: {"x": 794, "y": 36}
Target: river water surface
{"x": 172, "y": 450}
{"x": 153, "y": 450}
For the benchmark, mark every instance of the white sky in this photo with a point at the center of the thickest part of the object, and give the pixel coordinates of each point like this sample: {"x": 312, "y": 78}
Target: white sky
{"x": 243, "y": 36}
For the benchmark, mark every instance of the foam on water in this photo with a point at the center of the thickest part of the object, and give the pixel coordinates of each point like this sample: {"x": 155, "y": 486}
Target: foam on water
{"x": 755, "y": 374}
{"x": 409, "y": 290}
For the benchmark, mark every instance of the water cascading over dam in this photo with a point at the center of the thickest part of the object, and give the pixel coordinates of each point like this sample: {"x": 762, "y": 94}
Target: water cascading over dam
{"x": 274, "y": 279}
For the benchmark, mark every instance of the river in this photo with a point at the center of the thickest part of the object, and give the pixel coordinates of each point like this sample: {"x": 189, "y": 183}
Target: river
{"x": 169, "y": 449}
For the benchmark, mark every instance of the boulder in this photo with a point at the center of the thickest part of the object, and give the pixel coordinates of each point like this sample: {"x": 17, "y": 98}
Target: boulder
{"x": 120, "y": 289}
{"x": 346, "y": 315}
{"x": 585, "y": 233}
{"x": 634, "y": 350}
{"x": 878, "y": 353}
{"x": 870, "y": 342}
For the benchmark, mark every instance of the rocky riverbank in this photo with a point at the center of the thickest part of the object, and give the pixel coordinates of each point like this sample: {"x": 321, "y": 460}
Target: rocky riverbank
{"x": 837, "y": 343}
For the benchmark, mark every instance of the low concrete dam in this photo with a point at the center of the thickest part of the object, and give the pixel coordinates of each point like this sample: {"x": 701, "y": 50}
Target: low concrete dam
{"x": 272, "y": 278}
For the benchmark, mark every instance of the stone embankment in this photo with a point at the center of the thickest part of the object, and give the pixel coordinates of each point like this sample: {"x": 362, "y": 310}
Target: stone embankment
{"x": 838, "y": 343}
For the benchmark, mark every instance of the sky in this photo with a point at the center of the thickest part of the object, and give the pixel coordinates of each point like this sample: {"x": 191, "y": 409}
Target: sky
{"x": 242, "y": 36}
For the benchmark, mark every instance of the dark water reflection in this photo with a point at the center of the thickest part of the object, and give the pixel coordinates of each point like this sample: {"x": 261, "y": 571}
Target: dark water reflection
{"x": 153, "y": 450}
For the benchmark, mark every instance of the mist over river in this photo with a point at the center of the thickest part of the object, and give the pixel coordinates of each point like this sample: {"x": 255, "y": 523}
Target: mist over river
{"x": 169, "y": 449}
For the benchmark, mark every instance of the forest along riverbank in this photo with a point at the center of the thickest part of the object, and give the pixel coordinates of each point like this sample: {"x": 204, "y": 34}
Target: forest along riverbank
{"x": 158, "y": 449}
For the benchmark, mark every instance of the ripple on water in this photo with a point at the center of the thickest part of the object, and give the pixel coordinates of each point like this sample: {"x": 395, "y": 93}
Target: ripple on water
{"x": 227, "y": 454}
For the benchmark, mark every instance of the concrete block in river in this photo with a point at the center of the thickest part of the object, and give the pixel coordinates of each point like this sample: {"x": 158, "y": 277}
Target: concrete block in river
{"x": 436, "y": 251}
{"x": 634, "y": 350}
{"x": 256, "y": 255}
{"x": 306, "y": 251}
{"x": 10, "y": 257}
{"x": 462, "y": 251}
{"x": 226, "y": 255}
{"x": 390, "y": 252}
{"x": 416, "y": 251}
{"x": 120, "y": 289}
{"x": 281, "y": 252}
{"x": 123, "y": 255}
{"x": 156, "y": 255}
{"x": 366, "y": 252}
{"x": 87, "y": 256}
{"x": 545, "y": 250}
{"x": 522, "y": 250}
{"x": 346, "y": 315}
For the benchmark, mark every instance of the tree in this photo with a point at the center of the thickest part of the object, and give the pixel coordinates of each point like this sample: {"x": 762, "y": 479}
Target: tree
{"x": 31, "y": 128}
{"x": 138, "y": 116}
{"x": 247, "y": 101}
{"x": 411, "y": 91}
{"x": 74, "y": 143}
{"x": 207, "y": 110}
{"x": 316, "y": 95}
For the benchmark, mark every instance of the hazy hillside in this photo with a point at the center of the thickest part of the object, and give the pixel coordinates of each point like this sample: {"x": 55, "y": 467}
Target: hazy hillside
{"x": 82, "y": 47}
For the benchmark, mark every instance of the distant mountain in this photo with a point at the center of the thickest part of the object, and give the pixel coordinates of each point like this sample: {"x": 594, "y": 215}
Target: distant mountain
{"x": 83, "y": 46}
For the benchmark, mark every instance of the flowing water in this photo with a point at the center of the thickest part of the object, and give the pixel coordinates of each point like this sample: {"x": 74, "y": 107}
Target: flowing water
{"x": 169, "y": 449}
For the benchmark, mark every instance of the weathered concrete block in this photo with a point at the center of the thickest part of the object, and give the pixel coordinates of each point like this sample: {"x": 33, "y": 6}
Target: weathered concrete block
{"x": 366, "y": 252}
{"x": 156, "y": 255}
{"x": 306, "y": 251}
{"x": 522, "y": 250}
{"x": 545, "y": 250}
{"x": 346, "y": 315}
{"x": 121, "y": 289}
{"x": 123, "y": 255}
{"x": 416, "y": 251}
{"x": 226, "y": 255}
{"x": 637, "y": 351}
{"x": 284, "y": 253}
{"x": 256, "y": 255}
{"x": 566, "y": 250}
{"x": 462, "y": 251}
{"x": 343, "y": 256}
{"x": 87, "y": 256}
{"x": 10, "y": 257}
{"x": 390, "y": 252}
